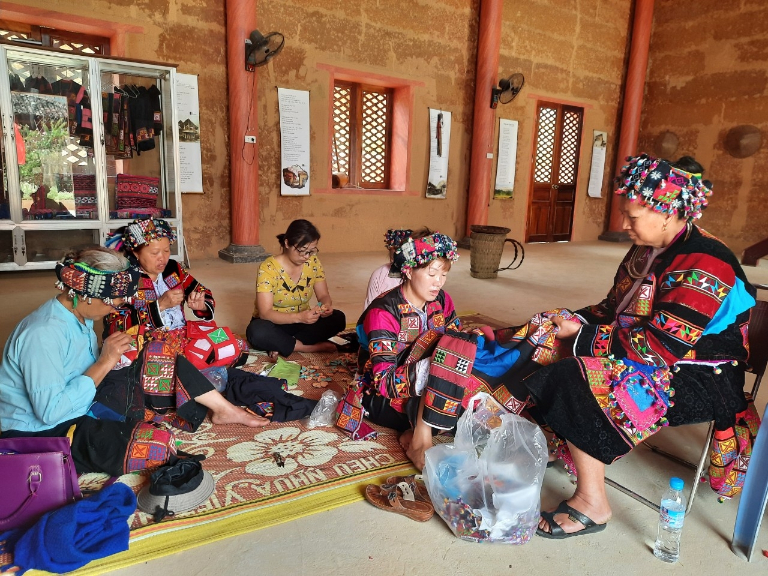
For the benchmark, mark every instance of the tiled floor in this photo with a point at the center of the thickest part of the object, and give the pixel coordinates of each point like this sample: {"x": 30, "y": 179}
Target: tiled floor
{"x": 360, "y": 540}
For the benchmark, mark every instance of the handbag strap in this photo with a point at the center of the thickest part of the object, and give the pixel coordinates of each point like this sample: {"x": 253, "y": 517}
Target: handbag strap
{"x": 34, "y": 480}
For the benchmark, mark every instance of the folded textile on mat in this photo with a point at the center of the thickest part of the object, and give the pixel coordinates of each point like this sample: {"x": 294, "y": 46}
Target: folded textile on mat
{"x": 70, "y": 537}
{"x": 265, "y": 396}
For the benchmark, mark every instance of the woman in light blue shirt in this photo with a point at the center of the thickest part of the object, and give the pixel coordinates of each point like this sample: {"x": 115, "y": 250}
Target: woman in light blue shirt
{"x": 51, "y": 370}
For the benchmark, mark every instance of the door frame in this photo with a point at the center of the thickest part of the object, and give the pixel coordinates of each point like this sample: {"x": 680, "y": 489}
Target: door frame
{"x": 536, "y": 99}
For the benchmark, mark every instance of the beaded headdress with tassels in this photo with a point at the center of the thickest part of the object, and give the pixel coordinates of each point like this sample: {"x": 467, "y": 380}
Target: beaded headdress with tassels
{"x": 413, "y": 253}
{"x": 658, "y": 185}
{"x": 394, "y": 237}
{"x": 80, "y": 279}
{"x": 140, "y": 232}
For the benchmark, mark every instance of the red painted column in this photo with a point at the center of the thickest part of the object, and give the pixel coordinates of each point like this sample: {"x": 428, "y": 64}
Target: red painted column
{"x": 484, "y": 117}
{"x": 633, "y": 102}
{"x": 243, "y": 157}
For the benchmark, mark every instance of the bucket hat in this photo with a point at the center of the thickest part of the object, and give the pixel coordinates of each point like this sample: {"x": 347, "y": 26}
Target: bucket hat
{"x": 176, "y": 487}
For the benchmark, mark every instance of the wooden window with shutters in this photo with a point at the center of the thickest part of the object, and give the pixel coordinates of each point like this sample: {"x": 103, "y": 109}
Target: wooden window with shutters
{"x": 554, "y": 173}
{"x": 72, "y": 42}
{"x": 361, "y": 135}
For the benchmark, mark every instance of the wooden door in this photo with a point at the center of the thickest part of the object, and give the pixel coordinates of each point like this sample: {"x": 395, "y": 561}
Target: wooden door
{"x": 554, "y": 172}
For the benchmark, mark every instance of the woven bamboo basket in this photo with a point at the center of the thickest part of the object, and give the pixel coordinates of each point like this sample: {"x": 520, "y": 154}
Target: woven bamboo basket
{"x": 486, "y": 244}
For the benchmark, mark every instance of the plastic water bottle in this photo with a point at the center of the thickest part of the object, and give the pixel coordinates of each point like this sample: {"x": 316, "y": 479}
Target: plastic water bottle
{"x": 671, "y": 518}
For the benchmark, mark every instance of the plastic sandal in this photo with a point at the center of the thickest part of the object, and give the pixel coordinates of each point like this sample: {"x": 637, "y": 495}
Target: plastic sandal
{"x": 399, "y": 499}
{"x": 557, "y": 533}
{"x": 415, "y": 482}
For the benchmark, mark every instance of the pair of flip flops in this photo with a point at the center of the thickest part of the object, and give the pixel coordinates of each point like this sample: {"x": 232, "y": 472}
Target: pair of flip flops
{"x": 557, "y": 533}
{"x": 406, "y": 495}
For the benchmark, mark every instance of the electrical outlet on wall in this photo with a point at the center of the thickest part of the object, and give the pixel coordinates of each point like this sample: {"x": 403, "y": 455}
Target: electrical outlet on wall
{"x": 249, "y": 139}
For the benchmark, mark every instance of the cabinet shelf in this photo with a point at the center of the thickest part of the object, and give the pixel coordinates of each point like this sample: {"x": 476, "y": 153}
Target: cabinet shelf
{"x": 88, "y": 145}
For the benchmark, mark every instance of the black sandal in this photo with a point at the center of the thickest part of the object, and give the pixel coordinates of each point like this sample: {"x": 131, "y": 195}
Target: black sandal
{"x": 557, "y": 533}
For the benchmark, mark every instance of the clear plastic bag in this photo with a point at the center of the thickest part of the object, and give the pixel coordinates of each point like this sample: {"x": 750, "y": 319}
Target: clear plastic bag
{"x": 324, "y": 413}
{"x": 486, "y": 485}
{"x": 217, "y": 375}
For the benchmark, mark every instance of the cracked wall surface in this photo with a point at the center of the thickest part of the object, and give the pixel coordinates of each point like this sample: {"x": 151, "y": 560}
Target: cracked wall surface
{"x": 707, "y": 73}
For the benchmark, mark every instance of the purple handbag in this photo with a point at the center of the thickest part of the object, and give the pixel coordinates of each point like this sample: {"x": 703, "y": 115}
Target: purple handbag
{"x": 38, "y": 476}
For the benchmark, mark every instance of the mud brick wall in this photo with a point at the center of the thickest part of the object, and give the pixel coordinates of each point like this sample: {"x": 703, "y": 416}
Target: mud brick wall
{"x": 574, "y": 53}
{"x": 708, "y": 72}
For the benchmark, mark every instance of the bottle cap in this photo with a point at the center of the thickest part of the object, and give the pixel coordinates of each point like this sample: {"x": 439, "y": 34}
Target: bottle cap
{"x": 676, "y": 483}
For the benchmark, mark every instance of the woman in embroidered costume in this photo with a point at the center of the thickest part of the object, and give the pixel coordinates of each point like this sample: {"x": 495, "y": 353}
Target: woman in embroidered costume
{"x": 52, "y": 369}
{"x": 283, "y": 319}
{"x": 174, "y": 391}
{"x": 666, "y": 347}
{"x": 398, "y": 333}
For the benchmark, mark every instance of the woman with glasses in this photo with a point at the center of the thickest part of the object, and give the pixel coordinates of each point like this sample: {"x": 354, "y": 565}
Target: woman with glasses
{"x": 283, "y": 318}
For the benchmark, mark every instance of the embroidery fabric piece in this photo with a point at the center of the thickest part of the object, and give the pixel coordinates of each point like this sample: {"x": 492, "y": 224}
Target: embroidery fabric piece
{"x": 634, "y": 398}
{"x": 730, "y": 453}
{"x": 150, "y": 446}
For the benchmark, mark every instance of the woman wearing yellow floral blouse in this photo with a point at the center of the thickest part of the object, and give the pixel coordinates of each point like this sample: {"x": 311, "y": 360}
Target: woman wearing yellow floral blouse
{"x": 284, "y": 320}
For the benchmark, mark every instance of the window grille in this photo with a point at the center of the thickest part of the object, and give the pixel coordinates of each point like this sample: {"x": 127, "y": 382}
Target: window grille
{"x": 340, "y": 145}
{"x": 361, "y": 134}
{"x": 545, "y": 144}
{"x": 569, "y": 146}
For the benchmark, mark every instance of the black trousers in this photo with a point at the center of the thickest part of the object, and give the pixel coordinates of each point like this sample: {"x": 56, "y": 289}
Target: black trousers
{"x": 264, "y": 335}
{"x": 97, "y": 445}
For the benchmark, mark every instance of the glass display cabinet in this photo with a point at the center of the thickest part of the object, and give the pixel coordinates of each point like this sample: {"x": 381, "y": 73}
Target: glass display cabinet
{"x": 86, "y": 146}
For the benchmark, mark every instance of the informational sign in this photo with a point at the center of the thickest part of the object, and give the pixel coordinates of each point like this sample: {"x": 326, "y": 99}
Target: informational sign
{"x": 188, "y": 113}
{"x": 439, "y": 145}
{"x": 294, "y": 141}
{"x": 597, "y": 168}
{"x": 505, "y": 169}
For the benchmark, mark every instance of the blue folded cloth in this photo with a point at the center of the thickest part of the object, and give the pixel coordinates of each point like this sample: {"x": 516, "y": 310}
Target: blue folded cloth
{"x": 70, "y": 537}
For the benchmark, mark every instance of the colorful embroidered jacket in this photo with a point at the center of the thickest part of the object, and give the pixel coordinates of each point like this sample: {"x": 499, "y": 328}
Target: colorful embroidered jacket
{"x": 389, "y": 327}
{"x": 693, "y": 306}
{"x": 145, "y": 311}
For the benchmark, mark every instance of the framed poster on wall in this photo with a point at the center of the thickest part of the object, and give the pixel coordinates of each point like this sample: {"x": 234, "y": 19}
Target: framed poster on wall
{"x": 294, "y": 142}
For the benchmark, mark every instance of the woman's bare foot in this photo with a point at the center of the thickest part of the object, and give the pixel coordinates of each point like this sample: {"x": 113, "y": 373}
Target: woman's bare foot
{"x": 599, "y": 512}
{"x": 421, "y": 441}
{"x": 237, "y": 415}
{"x": 405, "y": 439}
{"x": 321, "y": 347}
{"x": 273, "y": 355}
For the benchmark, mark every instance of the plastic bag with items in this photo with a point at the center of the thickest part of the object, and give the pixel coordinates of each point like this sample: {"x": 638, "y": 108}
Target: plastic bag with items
{"x": 486, "y": 485}
{"x": 324, "y": 413}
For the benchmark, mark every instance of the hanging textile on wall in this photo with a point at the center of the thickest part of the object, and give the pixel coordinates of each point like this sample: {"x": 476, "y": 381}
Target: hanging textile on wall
{"x": 439, "y": 145}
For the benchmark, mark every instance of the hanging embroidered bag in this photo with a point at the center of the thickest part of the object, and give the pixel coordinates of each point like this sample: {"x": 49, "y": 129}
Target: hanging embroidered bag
{"x": 350, "y": 414}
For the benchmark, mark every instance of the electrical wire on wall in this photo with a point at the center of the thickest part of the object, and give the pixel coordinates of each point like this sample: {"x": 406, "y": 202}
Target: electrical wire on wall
{"x": 251, "y": 97}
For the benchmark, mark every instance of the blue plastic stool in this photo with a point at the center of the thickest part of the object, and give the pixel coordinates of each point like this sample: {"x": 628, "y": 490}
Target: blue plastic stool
{"x": 753, "y": 498}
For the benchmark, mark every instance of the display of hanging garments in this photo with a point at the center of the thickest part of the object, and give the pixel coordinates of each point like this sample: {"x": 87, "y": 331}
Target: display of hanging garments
{"x": 79, "y": 109}
{"x": 124, "y": 138}
{"x": 132, "y": 119}
{"x": 111, "y": 105}
{"x": 37, "y": 85}
{"x": 153, "y": 93}
{"x": 17, "y": 85}
{"x": 142, "y": 119}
